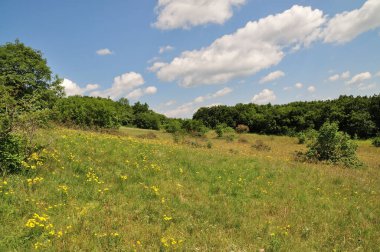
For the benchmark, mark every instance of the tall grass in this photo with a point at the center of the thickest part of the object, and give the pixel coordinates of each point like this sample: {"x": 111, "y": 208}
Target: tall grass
{"x": 103, "y": 192}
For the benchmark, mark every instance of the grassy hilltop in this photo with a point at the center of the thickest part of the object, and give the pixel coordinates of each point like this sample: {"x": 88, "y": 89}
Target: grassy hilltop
{"x": 138, "y": 190}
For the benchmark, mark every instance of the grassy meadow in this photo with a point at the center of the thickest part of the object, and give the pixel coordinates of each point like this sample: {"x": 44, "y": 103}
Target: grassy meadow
{"x": 138, "y": 190}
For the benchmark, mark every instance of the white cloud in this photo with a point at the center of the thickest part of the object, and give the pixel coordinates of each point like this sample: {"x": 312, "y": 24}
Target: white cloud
{"x": 364, "y": 87}
{"x": 121, "y": 85}
{"x": 378, "y": 74}
{"x": 104, "y": 51}
{"x": 165, "y": 49}
{"x": 336, "y": 77}
{"x": 213, "y": 105}
{"x": 150, "y": 90}
{"x": 345, "y": 75}
{"x": 71, "y": 88}
{"x": 170, "y": 103}
{"x": 359, "y": 78}
{"x": 348, "y": 25}
{"x": 186, "y": 109}
{"x": 181, "y": 111}
{"x": 222, "y": 92}
{"x": 311, "y": 89}
{"x": 139, "y": 92}
{"x": 264, "y": 97}
{"x": 184, "y": 14}
{"x": 272, "y": 76}
{"x": 287, "y": 88}
{"x": 298, "y": 85}
{"x": 255, "y": 47}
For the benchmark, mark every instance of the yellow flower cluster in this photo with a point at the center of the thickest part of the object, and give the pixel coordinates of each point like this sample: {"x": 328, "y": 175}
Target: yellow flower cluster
{"x": 38, "y": 221}
{"x": 92, "y": 177}
{"x": 34, "y": 181}
{"x": 113, "y": 234}
{"x": 170, "y": 242}
{"x": 63, "y": 188}
{"x": 155, "y": 189}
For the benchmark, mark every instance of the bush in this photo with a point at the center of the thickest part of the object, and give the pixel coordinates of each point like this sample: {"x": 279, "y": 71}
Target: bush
{"x": 173, "y": 126}
{"x": 376, "y": 142}
{"x": 147, "y": 121}
{"x": 194, "y": 127}
{"x": 333, "y": 146}
{"x": 306, "y": 136}
{"x": 261, "y": 146}
{"x": 12, "y": 153}
{"x": 90, "y": 112}
{"x": 229, "y": 134}
{"x": 301, "y": 138}
{"x": 241, "y": 128}
{"x": 219, "y": 129}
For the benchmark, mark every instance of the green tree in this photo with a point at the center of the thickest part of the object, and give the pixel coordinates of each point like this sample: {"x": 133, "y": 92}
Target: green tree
{"x": 27, "y": 92}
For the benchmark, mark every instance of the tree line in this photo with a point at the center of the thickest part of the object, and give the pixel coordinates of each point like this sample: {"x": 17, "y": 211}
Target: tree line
{"x": 357, "y": 116}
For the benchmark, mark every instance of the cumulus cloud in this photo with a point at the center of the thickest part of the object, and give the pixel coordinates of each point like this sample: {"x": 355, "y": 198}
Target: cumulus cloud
{"x": 334, "y": 77}
{"x": 365, "y": 87}
{"x": 345, "y": 75}
{"x": 257, "y": 46}
{"x": 264, "y": 97}
{"x": 298, "y": 85}
{"x": 139, "y": 92}
{"x": 272, "y": 76}
{"x": 348, "y": 25}
{"x": 184, "y": 14}
{"x": 121, "y": 86}
{"x": 222, "y": 92}
{"x": 188, "y": 108}
{"x": 311, "y": 89}
{"x": 341, "y": 76}
{"x": 165, "y": 49}
{"x": 71, "y": 88}
{"x": 359, "y": 78}
{"x": 170, "y": 103}
{"x": 104, "y": 51}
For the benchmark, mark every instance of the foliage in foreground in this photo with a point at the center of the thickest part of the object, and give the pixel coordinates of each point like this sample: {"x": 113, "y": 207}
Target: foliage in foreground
{"x": 97, "y": 192}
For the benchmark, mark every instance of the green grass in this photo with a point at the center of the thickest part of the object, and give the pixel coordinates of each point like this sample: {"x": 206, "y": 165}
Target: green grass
{"x": 121, "y": 192}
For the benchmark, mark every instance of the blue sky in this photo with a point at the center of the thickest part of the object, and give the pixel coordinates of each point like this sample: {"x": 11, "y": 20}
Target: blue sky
{"x": 179, "y": 55}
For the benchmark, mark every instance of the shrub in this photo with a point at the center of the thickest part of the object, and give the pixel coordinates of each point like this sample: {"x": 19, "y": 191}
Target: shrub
{"x": 306, "y": 136}
{"x": 209, "y": 144}
{"x": 12, "y": 153}
{"x": 147, "y": 121}
{"x": 229, "y": 134}
{"x": 194, "y": 127}
{"x": 173, "y": 126}
{"x": 333, "y": 146}
{"x": 219, "y": 129}
{"x": 243, "y": 140}
{"x": 376, "y": 142}
{"x": 241, "y": 128}
{"x": 261, "y": 146}
{"x": 301, "y": 138}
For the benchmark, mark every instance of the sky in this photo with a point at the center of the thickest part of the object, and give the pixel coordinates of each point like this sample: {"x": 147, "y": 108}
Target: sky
{"x": 180, "y": 55}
